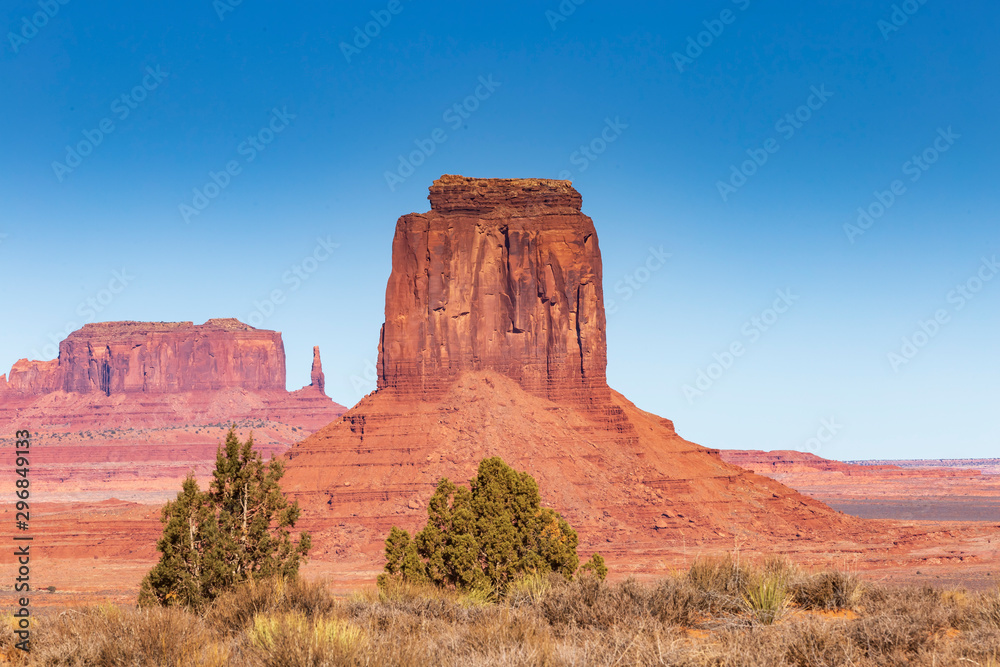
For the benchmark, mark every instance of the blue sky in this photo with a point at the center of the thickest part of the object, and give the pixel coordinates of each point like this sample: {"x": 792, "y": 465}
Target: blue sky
{"x": 738, "y": 137}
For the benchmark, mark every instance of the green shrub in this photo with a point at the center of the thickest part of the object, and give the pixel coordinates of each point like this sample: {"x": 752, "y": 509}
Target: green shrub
{"x": 237, "y": 531}
{"x": 596, "y": 567}
{"x": 485, "y": 537}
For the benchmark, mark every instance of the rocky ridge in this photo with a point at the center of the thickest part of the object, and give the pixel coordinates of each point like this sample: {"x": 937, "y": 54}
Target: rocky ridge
{"x": 936, "y": 490}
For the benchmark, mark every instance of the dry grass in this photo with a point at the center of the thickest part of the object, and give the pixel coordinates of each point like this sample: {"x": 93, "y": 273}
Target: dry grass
{"x": 991, "y": 609}
{"x": 827, "y": 590}
{"x": 721, "y": 612}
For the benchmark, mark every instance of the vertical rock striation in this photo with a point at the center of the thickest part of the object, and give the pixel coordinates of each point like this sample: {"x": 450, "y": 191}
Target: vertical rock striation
{"x": 501, "y": 275}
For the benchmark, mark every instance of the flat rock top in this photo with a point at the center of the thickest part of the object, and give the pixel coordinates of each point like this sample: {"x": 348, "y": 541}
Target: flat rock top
{"x": 514, "y": 196}
{"x": 142, "y": 328}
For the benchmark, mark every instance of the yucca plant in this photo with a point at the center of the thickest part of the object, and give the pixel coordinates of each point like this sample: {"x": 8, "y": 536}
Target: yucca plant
{"x": 480, "y": 596}
{"x": 532, "y": 587}
{"x": 766, "y": 598}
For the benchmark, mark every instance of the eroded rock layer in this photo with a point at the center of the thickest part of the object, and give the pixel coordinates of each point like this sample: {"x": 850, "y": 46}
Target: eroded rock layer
{"x": 378, "y": 465}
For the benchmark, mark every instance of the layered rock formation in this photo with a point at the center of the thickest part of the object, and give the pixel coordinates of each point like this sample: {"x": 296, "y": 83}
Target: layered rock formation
{"x": 638, "y": 493}
{"x": 494, "y": 344}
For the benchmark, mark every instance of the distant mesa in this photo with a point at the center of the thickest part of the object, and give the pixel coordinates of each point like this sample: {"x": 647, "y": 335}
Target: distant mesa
{"x": 157, "y": 357}
{"x": 494, "y": 345}
{"x": 136, "y": 366}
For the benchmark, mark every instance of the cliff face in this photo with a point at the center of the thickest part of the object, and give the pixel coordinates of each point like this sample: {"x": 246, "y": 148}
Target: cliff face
{"x": 157, "y": 357}
{"x": 31, "y": 378}
{"x": 501, "y": 275}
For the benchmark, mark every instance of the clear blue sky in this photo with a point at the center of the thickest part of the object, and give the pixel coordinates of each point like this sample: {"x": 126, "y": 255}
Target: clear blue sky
{"x": 182, "y": 86}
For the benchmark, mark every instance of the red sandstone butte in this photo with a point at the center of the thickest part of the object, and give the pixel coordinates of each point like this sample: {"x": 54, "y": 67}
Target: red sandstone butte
{"x": 494, "y": 344}
{"x": 499, "y": 275}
